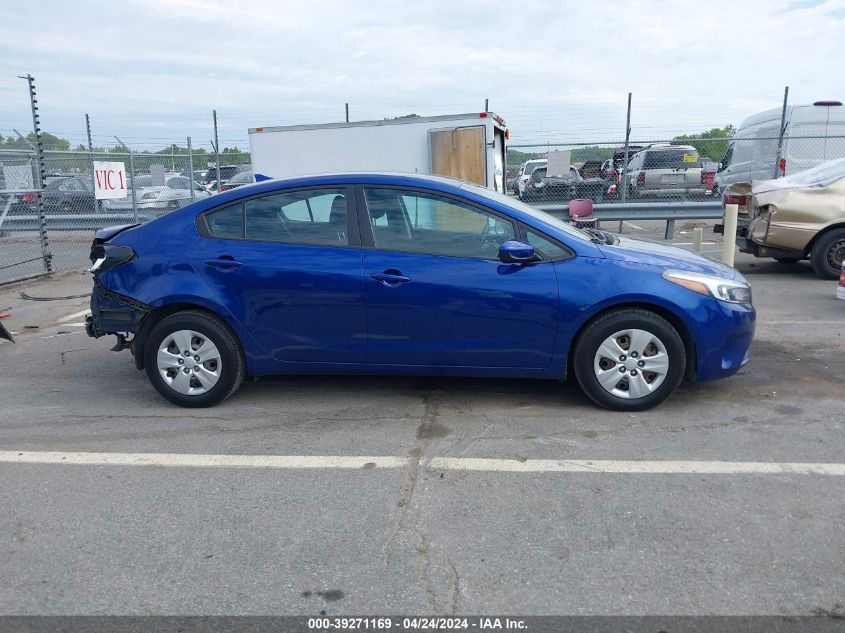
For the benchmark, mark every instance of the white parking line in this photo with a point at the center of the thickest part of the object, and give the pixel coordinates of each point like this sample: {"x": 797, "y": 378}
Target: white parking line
{"x": 633, "y": 467}
{"x": 329, "y": 462}
{"x": 204, "y": 461}
{"x": 800, "y": 322}
{"x": 75, "y": 315}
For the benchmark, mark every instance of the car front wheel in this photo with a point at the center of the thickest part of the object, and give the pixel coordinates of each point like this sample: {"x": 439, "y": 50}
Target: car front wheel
{"x": 629, "y": 360}
{"x": 193, "y": 359}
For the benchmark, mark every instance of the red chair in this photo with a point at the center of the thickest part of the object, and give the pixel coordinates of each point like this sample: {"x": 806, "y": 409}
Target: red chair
{"x": 581, "y": 212}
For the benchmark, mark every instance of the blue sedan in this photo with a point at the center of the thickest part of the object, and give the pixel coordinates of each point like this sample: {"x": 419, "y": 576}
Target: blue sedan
{"x": 408, "y": 274}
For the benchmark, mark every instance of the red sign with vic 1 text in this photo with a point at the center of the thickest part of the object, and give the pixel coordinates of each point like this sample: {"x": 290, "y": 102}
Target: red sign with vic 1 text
{"x": 109, "y": 180}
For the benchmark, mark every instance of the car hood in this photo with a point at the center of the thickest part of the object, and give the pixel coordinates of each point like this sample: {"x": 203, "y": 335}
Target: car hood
{"x": 665, "y": 256}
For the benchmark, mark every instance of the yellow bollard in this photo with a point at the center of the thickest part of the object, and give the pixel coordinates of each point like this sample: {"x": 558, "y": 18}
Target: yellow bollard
{"x": 729, "y": 245}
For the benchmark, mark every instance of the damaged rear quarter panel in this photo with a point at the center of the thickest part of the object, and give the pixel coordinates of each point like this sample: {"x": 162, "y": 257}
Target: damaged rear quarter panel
{"x": 153, "y": 279}
{"x": 799, "y": 214}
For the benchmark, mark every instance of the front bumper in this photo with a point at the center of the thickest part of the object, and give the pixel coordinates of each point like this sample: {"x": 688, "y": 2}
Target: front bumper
{"x": 723, "y": 346}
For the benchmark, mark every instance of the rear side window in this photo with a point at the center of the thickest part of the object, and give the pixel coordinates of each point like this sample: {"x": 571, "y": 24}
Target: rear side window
{"x": 672, "y": 159}
{"x": 317, "y": 217}
{"x": 226, "y": 222}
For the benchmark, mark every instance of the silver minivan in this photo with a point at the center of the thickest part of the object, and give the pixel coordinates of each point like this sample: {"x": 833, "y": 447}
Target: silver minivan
{"x": 666, "y": 170}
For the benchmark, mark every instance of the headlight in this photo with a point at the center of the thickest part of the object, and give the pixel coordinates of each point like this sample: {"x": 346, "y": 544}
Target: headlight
{"x": 710, "y": 286}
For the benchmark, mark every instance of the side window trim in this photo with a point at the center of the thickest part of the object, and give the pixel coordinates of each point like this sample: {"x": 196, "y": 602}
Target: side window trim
{"x": 365, "y": 226}
{"x": 521, "y": 234}
{"x": 353, "y": 234}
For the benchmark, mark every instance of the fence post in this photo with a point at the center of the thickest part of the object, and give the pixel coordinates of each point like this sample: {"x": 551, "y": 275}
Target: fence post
{"x": 97, "y": 207}
{"x": 191, "y": 169}
{"x": 782, "y": 131}
{"x": 40, "y": 175}
{"x": 729, "y": 243}
{"x": 131, "y": 179}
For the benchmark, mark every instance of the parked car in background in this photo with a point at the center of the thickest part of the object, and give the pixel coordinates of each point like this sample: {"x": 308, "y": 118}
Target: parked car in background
{"x": 174, "y": 193}
{"x": 238, "y": 180}
{"x": 709, "y": 168}
{"x": 400, "y": 273}
{"x": 542, "y": 186}
{"x": 64, "y": 194}
{"x": 524, "y": 175}
{"x": 666, "y": 171}
{"x": 813, "y": 134}
{"x": 226, "y": 172}
{"x": 591, "y": 169}
{"x": 793, "y": 218}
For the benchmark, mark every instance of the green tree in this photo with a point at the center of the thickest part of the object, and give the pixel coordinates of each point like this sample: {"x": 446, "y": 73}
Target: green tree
{"x": 712, "y": 143}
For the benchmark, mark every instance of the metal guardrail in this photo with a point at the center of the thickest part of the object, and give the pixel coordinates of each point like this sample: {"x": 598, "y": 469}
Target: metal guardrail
{"x": 75, "y": 222}
{"x": 627, "y": 211}
{"x": 666, "y": 211}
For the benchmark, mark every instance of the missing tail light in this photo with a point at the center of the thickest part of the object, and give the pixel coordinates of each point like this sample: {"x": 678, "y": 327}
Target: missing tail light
{"x": 107, "y": 256}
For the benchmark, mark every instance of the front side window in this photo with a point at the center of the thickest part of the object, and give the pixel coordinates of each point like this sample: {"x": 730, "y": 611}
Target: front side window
{"x": 548, "y": 249}
{"x": 416, "y": 222}
{"x": 317, "y": 217}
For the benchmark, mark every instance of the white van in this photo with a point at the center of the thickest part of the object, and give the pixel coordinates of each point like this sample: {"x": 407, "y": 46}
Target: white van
{"x": 813, "y": 134}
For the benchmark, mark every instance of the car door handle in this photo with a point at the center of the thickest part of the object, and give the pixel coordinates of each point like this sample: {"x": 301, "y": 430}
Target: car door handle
{"x": 391, "y": 278}
{"x": 224, "y": 262}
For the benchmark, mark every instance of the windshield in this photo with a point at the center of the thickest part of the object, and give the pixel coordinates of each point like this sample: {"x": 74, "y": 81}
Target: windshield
{"x": 141, "y": 181}
{"x": 821, "y": 175}
{"x": 530, "y": 167}
{"x": 541, "y": 216}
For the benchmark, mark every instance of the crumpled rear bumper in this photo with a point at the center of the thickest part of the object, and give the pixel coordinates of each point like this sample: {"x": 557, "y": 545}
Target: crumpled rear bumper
{"x": 112, "y": 312}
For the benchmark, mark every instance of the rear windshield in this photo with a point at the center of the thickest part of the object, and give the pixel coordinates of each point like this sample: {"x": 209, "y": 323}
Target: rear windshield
{"x": 671, "y": 159}
{"x": 530, "y": 167}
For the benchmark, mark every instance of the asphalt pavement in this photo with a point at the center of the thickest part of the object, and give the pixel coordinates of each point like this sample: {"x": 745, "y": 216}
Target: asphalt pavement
{"x": 363, "y": 495}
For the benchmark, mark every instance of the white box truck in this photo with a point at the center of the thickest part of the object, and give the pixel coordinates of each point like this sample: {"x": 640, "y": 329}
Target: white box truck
{"x": 466, "y": 146}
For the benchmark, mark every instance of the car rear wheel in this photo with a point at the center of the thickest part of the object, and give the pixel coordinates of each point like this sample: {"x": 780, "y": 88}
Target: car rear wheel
{"x": 828, "y": 253}
{"x": 629, "y": 360}
{"x": 193, "y": 359}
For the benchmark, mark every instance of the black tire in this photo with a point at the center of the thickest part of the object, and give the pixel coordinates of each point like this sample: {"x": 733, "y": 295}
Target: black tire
{"x": 232, "y": 367}
{"x": 586, "y": 347}
{"x": 787, "y": 260}
{"x": 828, "y": 253}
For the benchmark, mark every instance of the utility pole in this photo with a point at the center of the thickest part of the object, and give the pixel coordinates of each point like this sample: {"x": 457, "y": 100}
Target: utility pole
{"x": 40, "y": 176}
{"x": 782, "y": 131}
{"x": 347, "y": 113}
{"x": 487, "y": 105}
{"x": 216, "y": 149}
{"x": 623, "y": 178}
{"x": 191, "y": 169}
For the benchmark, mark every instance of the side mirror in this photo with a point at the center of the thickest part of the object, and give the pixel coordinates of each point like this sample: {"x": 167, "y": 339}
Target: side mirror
{"x": 516, "y": 252}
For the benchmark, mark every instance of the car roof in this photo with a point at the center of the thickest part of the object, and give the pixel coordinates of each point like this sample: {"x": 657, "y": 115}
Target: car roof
{"x": 441, "y": 184}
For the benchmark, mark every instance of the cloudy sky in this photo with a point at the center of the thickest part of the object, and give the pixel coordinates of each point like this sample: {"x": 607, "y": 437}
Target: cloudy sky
{"x": 151, "y": 71}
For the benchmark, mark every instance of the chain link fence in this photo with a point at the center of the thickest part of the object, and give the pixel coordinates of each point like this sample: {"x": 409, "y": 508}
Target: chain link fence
{"x": 157, "y": 183}
{"x": 56, "y": 234}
